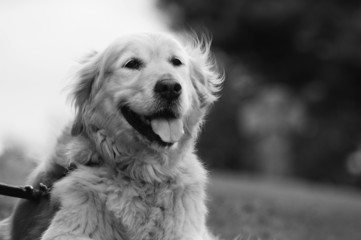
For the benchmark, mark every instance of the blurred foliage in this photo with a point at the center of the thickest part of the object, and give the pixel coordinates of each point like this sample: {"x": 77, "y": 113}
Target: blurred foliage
{"x": 311, "y": 49}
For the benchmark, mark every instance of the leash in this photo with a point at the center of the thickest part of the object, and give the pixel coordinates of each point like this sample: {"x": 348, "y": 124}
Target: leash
{"x": 29, "y": 192}
{"x": 25, "y": 192}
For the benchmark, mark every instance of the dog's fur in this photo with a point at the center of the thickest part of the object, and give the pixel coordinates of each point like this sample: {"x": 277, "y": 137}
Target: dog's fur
{"x": 128, "y": 186}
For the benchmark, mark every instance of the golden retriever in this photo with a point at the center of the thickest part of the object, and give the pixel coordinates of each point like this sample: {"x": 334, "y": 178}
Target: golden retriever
{"x": 139, "y": 107}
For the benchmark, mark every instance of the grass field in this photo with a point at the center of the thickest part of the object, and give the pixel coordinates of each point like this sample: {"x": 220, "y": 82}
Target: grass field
{"x": 282, "y": 210}
{"x": 275, "y": 210}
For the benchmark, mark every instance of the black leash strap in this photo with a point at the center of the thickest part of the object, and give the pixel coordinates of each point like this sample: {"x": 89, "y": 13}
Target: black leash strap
{"x": 26, "y": 192}
{"x": 30, "y": 193}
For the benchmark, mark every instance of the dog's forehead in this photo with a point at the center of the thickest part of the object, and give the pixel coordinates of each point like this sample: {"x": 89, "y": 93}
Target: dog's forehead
{"x": 147, "y": 44}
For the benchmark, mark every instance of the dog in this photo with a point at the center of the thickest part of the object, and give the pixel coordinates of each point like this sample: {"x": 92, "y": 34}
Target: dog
{"x": 139, "y": 107}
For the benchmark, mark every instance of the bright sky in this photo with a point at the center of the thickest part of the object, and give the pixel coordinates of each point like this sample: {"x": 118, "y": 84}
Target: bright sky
{"x": 40, "y": 42}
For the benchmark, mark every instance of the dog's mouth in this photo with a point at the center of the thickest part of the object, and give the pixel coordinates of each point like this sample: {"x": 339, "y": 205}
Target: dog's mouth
{"x": 162, "y": 127}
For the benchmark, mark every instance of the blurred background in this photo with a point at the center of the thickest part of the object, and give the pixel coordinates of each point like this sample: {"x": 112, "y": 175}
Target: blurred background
{"x": 288, "y": 120}
{"x": 291, "y": 104}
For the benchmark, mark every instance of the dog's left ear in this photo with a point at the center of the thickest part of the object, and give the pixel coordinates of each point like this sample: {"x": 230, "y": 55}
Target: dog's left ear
{"x": 206, "y": 77}
{"x": 83, "y": 90}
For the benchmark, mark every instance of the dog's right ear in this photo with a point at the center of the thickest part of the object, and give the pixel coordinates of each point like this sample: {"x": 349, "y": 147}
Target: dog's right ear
{"x": 83, "y": 90}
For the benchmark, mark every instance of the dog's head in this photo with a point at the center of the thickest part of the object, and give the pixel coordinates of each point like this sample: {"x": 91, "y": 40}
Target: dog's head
{"x": 148, "y": 88}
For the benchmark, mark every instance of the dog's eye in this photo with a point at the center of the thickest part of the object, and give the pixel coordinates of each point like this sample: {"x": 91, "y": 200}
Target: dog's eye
{"x": 134, "y": 64}
{"x": 176, "y": 62}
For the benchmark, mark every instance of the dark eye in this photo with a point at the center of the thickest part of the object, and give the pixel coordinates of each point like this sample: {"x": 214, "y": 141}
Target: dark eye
{"x": 176, "y": 62}
{"x": 134, "y": 64}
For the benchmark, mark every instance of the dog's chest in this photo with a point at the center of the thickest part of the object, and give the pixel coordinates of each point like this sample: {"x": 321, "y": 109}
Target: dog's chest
{"x": 151, "y": 211}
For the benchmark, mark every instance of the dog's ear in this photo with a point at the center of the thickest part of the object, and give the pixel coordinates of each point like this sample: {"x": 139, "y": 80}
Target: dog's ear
{"x": 83, "y": 90}
{"x": 206, "y": 77}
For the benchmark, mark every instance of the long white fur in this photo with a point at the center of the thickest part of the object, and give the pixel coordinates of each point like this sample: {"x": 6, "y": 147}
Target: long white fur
{"x": 139, "y": 190}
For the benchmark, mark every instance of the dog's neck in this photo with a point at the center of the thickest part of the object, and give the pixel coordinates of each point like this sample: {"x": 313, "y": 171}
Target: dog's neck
{"x": 139, "y": 161}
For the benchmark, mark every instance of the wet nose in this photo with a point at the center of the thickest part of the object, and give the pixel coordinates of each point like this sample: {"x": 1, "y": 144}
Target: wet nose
{"x": 168, "y": 89}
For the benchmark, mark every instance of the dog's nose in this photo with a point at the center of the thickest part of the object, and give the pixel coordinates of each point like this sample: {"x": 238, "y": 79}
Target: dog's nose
{"x": 168, "y": 89}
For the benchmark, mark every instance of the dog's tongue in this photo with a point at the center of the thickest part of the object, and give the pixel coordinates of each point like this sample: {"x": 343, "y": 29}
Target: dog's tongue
{"x": 169, "y": 131}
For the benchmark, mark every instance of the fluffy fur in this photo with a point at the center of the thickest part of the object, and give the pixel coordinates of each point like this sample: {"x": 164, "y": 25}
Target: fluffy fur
{"x": 127, "y": 185}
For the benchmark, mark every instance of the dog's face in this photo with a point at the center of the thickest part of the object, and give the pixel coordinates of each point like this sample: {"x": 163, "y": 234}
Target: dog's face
{"x": 151, "y": 85}
{"x": 147, "y": 87}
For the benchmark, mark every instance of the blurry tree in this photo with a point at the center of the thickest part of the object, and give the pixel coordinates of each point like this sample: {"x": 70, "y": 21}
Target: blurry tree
{"x": 270, "y": 121}
{"x": 311, "y": 48}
